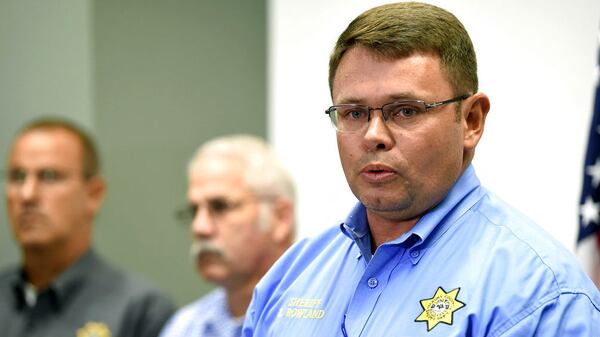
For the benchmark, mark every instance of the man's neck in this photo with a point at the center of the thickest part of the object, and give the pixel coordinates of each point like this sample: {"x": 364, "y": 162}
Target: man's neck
{"x": 239, "y": 294}
{"x": 238, "y": 299}
{"x": 43, "y": 266}
{"x": 384, "y": 230}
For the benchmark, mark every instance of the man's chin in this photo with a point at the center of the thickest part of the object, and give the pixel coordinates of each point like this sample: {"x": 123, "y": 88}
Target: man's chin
{"x": 212, "y": 269}
{"x": 33, "y": 234}
{"x": 386, "y": 205}
{"x": 33, "y": 244}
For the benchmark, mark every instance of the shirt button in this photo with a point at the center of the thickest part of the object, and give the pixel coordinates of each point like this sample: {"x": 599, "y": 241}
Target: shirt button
{"x": 414, "y": 254}
{"x": 372, "y": 282}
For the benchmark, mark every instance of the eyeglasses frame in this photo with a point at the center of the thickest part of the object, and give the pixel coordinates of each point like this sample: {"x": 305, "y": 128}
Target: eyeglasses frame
{"x": 428, "y": 106}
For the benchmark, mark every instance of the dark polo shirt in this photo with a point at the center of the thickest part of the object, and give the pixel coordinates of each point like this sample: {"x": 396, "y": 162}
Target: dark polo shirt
{"x": 91, "y": 298}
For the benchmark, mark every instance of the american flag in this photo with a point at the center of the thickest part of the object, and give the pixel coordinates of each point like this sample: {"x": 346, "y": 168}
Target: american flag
{"x": 588, "y": 241}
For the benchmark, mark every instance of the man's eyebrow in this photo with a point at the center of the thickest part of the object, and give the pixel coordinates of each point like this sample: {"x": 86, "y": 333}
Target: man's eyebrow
{"x": 409, "y": 95}
{"x": 351, "y": 100}
{"x": 404, "y": 96}
{"x": 216, "y": 197}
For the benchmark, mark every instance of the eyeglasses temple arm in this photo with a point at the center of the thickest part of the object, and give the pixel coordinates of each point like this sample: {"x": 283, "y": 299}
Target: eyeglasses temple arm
{"x": 451, "y": 100}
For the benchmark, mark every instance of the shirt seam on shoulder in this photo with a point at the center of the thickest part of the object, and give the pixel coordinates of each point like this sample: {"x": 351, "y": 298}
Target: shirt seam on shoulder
{"x": 557, "y": 289}
{"x": 504, "y": 327}
{"x": 556, "y": 292}
{"x": 511, "y": 323}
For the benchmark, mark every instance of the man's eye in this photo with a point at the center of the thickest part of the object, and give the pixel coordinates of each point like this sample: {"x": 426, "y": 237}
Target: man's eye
{"x": 405, "y": 111}
{"x": 49, "y": 175}
{"x": 189, "y": 211}
{"x": 218, "y": 206}
{"x": 408, "y": 112}
{"x": 357, "y": 114}
{"x": 354, "y": 113}
{"x": 186, "y": 214}
{"x": 17, "y": 176}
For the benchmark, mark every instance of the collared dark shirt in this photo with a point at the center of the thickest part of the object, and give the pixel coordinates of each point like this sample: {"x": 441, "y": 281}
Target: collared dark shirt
{"x": 91, "y": 298}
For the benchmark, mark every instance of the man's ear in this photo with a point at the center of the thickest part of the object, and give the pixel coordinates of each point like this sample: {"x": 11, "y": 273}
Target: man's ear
{"x": 282, "y": 224}
{"x": 96, "y": 191}
{"x": 474, "y": 114}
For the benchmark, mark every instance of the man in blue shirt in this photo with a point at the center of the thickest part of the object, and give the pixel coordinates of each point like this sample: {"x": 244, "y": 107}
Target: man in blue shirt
{"x": 241, "y": 216}
{"x": 427, "y": 251}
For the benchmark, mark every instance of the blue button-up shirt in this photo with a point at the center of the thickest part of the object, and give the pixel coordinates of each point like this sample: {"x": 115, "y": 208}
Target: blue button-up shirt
{"x": 472, "y": 266}
{"x": 208, "y": 316}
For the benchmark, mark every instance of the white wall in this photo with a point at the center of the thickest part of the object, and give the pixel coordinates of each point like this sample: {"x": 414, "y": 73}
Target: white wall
{"x": 536, "y": 63}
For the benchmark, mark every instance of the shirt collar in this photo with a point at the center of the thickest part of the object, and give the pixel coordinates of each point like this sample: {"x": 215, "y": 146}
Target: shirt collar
{"x": 219, "y": 317}
{"x": 17, "y": 285}
{"x": 65, "y": 284}
{"x": 429, "y": 228}
{"x": 437, "y": 221}
{"x": 75, "y": 276}
{"x": 356, "y": 228}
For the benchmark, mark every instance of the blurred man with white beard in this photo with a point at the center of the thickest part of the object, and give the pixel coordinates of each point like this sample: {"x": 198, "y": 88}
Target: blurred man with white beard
{"x": 241, "y": 216}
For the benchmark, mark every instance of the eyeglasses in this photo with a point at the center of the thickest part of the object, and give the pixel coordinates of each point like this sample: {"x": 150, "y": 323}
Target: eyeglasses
{"x": 354, "y": 117}
{"x": 216, "y": 207}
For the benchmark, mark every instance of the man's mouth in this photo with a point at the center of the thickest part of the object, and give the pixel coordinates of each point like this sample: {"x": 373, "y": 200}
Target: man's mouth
{"x": 378, "y": 173}
{"x": 29, "y": 218}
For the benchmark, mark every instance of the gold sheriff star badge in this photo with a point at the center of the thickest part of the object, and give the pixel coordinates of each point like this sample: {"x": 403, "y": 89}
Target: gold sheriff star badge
{"x": 440, "y": 308}
{"x": 94, "y": 329}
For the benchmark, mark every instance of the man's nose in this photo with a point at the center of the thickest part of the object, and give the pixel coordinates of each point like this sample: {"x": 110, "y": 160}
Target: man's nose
{"x": 29, "y": 189}
{"x": 203, "y": 225}
{"x": 378, "y": 135}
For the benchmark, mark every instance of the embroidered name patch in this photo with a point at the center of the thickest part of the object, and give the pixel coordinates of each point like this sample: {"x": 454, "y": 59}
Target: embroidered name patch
{"x": 302, "y": 308}
{"x": 440, "y": 308}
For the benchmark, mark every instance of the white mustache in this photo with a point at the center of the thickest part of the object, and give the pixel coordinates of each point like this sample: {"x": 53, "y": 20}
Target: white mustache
{"x": 200, "y": 247}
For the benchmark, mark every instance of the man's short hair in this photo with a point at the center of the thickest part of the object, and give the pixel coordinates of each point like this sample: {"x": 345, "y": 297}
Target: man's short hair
{"x": 91, "y": 160}
{"x": 400, "y": 29}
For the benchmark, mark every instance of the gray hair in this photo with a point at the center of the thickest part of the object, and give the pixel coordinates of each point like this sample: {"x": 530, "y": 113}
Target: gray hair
{"x": 263, "y": 172}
